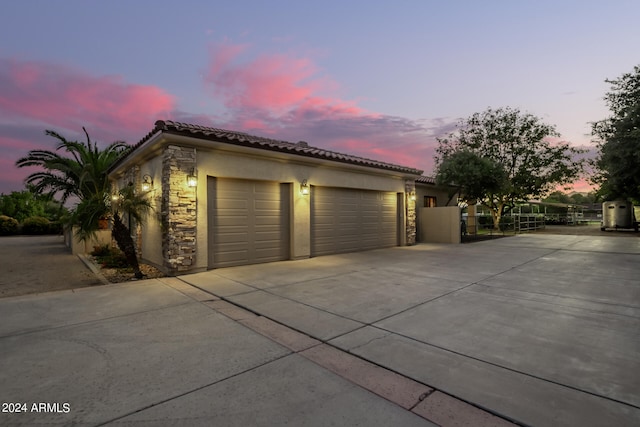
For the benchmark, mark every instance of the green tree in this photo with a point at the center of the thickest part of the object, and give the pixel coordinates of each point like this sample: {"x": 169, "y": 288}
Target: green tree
{"x": 619, "y": 137}
{"x": 79, "y": 169}
{"x": 557, "y": 197}
{"x": 518, "y": 147}
{"x": 470, "y": 175}
{"x": 28, "y": 203}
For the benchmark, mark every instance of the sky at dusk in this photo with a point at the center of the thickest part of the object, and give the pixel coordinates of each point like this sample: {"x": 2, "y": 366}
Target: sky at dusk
{"x": 377, "y": 79}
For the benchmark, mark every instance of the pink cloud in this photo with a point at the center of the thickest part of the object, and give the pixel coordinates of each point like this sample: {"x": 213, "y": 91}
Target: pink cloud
{"x": 278, "y": 83}
{"x": 36, "y": 95}
{"x": 64, "y": 97}
{"x": 11, "y": 178}
{"x": 408, "y": 152}
{"x": 288, "y": 98}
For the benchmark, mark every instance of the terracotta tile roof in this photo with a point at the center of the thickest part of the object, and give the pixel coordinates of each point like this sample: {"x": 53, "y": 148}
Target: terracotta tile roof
{"x": 426, "y": 179}
{"x": 243, "y": 139}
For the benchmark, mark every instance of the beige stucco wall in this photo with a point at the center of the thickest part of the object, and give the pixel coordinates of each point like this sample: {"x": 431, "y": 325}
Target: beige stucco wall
{"x": 222, "y": 160}
{"x": 228, "y": 164}
{"x": 439, "y": 225}
{"x": 152, "y": 228}
{"x": 77, "y": 246}
{"x": 441, "y": 195}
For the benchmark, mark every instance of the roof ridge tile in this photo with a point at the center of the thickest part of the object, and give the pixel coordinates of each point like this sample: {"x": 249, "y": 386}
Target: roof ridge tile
{"x": 246, "y": 139}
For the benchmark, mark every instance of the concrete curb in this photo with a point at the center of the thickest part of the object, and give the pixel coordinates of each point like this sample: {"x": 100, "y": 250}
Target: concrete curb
{"x": 94, "y": 269}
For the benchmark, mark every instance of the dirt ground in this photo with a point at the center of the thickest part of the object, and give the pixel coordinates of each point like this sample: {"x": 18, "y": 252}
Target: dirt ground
{"x": 32, "y": 264}
{"x": 35, "y": 264}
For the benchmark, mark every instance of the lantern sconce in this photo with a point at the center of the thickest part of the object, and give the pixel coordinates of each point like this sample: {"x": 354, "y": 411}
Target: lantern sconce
{"x": 192, "y": 179}
{"x": 147, "y": 183}
{"x": 412, "y": 196}
{"x": 304, "y": 188}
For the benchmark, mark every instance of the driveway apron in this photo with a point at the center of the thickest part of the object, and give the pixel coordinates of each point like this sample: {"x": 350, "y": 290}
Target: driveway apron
{"x": 540, "y": 329}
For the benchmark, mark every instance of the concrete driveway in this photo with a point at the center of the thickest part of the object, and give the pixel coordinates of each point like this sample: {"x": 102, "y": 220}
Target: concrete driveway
{"x": 538, "y": 329}
{"x": 541, "y": 329}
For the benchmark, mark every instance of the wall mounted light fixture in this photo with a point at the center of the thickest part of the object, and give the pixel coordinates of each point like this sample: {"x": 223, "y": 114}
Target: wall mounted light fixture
{"x": 192, "y": 179}
{"x": 412, "y": 196}
{"x": 304, "y": 188}
{"x": 147, "y": 183}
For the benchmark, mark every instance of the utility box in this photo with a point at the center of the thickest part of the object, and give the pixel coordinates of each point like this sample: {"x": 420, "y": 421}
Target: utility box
{"x": 618, "y": 214}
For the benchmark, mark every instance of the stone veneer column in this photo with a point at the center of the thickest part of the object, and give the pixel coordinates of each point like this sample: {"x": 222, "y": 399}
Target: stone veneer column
{"x": 410, "y": 191}
{"x": 178, "y": 209}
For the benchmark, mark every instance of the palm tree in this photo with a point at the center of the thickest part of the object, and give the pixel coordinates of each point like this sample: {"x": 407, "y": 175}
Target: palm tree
{"x": 135, "y": 206}
{"x": 82, "y": 173}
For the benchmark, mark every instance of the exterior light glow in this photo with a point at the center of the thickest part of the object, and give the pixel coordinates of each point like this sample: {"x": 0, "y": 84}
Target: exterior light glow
{"x": 304, "y": 188}
{"x": 147, "y": 183}
{"x": 192, "y": 179}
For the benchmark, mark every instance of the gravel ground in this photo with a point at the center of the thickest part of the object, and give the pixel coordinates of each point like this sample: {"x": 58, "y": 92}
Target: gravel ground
{"x": 35, "y": 264}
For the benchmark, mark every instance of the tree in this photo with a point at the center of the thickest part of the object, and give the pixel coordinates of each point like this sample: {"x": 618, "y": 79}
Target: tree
{"x": 519, "y": 160}
{"x": 470, "y": 175}
{"x": 619, "y": 136}
{"x": 82, "y": 172}
{"x": 27, "y": 203}
{"x": 135, "y": 205}
{"x": 557, "y": 197}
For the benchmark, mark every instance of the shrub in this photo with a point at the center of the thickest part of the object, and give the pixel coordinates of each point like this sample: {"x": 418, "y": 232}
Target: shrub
{"x": 36, "y": 225}
{"x": 55, "y": 227}
{"x": 101, "y": 250}
{"x": 8, "y": 225}
{"x": 109, "y": 257}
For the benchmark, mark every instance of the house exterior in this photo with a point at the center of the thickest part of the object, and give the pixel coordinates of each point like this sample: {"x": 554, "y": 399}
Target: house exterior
{"x": 431, "y": 195}
{"x": 440, "y": 225}
{"x": 222, "y": 198}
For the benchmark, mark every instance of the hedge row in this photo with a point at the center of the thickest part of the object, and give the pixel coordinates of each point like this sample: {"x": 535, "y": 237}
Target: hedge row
{"x": 33, "y": 225}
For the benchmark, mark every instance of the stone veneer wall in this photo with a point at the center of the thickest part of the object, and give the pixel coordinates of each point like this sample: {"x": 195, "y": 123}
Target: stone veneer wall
{"x": 410, "y": 191}
{"x": 178, "y": 211}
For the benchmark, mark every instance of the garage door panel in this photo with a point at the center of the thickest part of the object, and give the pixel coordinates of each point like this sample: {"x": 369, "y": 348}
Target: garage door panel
{"x": 248, "y": 222}
{"x": 231, "y": 257}
{"x": 232, "y": 238}
{"x": 347, "y": 220}
{"x": 232, "y": 221}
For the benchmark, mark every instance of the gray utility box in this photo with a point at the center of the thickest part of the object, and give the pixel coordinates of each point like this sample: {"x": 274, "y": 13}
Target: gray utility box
{"x": 618, "y": 214}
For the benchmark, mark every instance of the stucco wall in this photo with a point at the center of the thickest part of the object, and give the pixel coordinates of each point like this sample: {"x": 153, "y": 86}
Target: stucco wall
{"x": 152, "y": 228}
{"x": 439, "y": 225}
{"x": 77, "y": 246}
{"x": 220, "y": 160}
{"x": 441, "y": 195}
{"x": 227, "y": 164}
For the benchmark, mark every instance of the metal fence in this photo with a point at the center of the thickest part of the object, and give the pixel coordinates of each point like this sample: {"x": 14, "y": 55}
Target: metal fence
{"x": 481, "y": 227}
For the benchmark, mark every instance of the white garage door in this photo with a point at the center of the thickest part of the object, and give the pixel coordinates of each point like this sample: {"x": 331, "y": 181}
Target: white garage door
{"x": 248, "y": 222}
{"x": 348, "y": 220}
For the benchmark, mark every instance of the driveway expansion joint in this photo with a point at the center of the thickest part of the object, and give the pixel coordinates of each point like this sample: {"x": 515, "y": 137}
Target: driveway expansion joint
{"x": 379, "y": 380}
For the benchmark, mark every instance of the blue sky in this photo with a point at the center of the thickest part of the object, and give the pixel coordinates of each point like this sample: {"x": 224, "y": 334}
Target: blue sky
{"x": 377, "y": 79}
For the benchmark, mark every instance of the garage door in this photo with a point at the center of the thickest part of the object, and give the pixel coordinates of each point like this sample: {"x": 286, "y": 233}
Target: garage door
{"x": 248, "y": 222}
{"x": 348, "y": 220}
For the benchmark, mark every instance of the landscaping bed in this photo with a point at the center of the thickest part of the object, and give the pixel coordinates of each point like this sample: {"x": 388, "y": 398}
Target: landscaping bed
{"x": 113, "y": 265}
